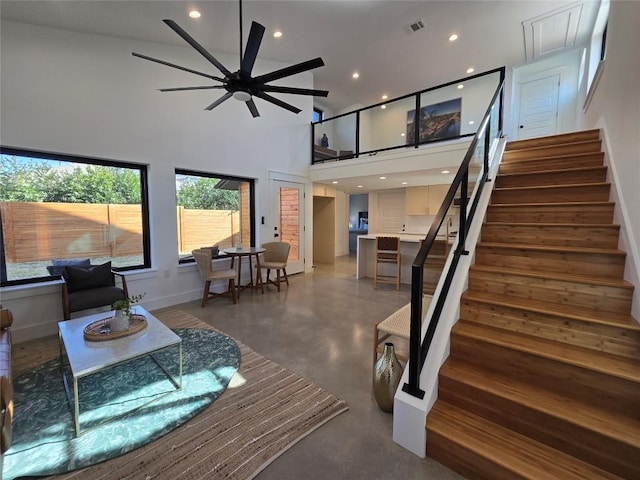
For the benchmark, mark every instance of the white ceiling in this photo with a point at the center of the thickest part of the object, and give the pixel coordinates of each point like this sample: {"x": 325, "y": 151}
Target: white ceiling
{"x": 363, "y": 35}
{"x": 367, "y": 36}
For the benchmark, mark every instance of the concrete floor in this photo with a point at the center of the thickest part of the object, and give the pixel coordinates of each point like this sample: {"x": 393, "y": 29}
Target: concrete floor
{"x": 321, "y": 327}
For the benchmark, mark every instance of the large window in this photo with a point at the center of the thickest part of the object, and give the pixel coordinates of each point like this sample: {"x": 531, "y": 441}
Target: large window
{"x": 61, "y": 207}
{"x": 213, "y": 210}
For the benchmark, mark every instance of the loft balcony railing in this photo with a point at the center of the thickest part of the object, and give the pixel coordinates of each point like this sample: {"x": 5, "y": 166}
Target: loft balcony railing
{"x": 447, "y": 112}
{"x": 465, "y": 189}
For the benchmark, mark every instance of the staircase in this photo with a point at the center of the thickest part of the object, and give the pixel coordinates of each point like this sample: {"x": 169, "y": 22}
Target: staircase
{"x": 543, "y": 379}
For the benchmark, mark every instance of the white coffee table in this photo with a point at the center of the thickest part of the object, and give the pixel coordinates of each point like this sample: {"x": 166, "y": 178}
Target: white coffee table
{"x": 88, "y": 357}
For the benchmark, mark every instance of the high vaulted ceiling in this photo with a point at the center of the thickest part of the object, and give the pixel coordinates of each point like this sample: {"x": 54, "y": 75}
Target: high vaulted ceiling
{"x": 367, "y": 36}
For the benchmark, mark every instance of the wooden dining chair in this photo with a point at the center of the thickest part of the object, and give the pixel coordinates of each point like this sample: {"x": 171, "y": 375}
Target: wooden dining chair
{"x": 209, "y": 274}
{"x": 387, "y": 252}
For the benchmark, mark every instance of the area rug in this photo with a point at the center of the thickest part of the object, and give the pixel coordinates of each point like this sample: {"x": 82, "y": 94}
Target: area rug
{"x": 138, "y": 391}
{"x": 265, "y": 410}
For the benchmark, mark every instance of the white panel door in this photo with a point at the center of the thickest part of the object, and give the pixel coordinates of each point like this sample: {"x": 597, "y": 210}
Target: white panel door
{"x": 287, "y": 224}
{"x": 538, "y": 107}
{"x": 390, "y": 212}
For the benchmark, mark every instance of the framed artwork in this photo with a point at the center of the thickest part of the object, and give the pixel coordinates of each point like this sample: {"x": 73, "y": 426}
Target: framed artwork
{"x": 437, "y": 121}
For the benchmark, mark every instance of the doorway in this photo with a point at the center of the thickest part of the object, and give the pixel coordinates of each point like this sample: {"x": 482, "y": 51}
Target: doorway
{"x": 324, "y": 230}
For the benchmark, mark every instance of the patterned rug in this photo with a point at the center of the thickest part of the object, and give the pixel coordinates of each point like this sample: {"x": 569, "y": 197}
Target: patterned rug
{"x": 138, "y": 391}
{"x": 265, "y": 410}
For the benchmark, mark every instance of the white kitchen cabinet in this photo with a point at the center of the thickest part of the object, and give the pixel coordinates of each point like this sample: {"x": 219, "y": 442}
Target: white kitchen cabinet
{"x": 416, "y": 200}
{"x": 425, "y": 200}
{"x": 436, "y": 197}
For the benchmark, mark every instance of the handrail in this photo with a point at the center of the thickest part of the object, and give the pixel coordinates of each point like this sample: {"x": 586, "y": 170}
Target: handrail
{"x": 417, "y": 142}
{"x": 418, "y": 350}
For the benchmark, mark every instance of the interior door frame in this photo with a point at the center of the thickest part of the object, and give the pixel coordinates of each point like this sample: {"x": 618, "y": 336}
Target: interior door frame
{"x": 275, "y": 179}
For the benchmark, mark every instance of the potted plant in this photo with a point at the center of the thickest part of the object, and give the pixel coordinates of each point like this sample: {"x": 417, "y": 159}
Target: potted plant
{"x": 123, "y": 312}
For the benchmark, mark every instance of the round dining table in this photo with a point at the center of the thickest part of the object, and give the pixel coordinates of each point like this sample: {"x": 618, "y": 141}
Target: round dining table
{"x": 249, "y": 252}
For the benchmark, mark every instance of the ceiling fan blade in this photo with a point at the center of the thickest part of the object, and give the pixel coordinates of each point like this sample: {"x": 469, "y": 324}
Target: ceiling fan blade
{"x": 226, "y": 96}
{"x": 292, "y": 70}
{"x": 296, "y": 91}
{"x": 201, "y": 50}
{"x": 162, "y": 62}
{"x": 252, "y": 108}
{"x": 277, "y": 102}
{"x": 253, "y": 45}
{"x": 180, "y": 89}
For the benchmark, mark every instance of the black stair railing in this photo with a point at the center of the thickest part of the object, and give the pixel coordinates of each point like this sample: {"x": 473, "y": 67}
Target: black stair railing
{"x": 490, "y": 128}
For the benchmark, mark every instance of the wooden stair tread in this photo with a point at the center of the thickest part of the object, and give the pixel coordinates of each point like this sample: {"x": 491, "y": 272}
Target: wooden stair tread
{"x": 565, "y": 157}
{"x": 512, "y": 451}
{"x": 567, "y": 311}
{"x": 559, "y": 225}
{"x": 600, "y": 281}
{"x": 554, "y": 248}
{"x": 550, "y": 187}
{"x": 542, "y": 148}
{"x": 554, "y": 204}
{"x": 613, "y": 365}
{"x": 552, "y": 171}
{"x": 559, "y": 138}
{"x": 610, "y": 423}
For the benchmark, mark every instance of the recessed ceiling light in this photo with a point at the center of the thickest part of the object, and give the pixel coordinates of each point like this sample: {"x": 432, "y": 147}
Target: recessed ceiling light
{"x": 402, "y": 134}
{"x": 383, "y": 106}
{"x": 460, "y": 87}
{"x": 355, "y": 75}
{"x": 453, "y": 37}
{"x": 404, "y": 183}
{"x": 470, "y": 70}
{"x": 334, "y": 182}
{"x": 383, "y": 178}
{"x": 194, "y": 14}
{"x": 471, "y": 122}
{"x": 359, "y": 186}
{"x": 385, "y": 96}
{"x": 277, "y": 34}
{"x": 445, "y": 171}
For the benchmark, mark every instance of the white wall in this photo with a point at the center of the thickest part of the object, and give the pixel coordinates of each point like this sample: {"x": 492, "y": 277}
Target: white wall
{"x": 615, "y": 108}
{"x": 83, "y": 94}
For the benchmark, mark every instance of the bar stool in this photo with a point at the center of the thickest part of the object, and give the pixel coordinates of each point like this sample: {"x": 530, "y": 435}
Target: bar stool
{"x": 387, "y": 252}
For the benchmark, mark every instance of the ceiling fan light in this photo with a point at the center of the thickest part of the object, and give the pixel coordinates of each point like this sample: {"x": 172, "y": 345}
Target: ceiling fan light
{"x": 242, "y": 96}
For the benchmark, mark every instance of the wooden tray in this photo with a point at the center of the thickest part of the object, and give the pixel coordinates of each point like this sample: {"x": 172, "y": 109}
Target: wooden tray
{"x": 100, "y": 330}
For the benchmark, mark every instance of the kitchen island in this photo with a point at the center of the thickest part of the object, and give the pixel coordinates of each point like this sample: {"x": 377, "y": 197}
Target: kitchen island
{"x": 409, "y": 246}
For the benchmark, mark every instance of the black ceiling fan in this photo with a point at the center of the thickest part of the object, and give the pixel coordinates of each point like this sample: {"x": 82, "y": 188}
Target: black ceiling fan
{"x": 240, "y": 84}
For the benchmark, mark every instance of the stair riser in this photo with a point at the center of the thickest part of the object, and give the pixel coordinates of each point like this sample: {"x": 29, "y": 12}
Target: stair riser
{"x": 464, "y": 461}
{"x": 598, "y": 297}
{"x": 594, "y": 336}
{"x": 565, "y": 236}
{"x": 576, "y": 214}
{"x": 569, "y": 177}
{"x": 560, "y": 194}
{"x": 575, "y": 263}
{"x": 552, "y": 163}
{"x": 597, "y": 449}
{"x": 603, "y": 391}
{"x": 590, "y": 146}
{"x": 572, "y": 137}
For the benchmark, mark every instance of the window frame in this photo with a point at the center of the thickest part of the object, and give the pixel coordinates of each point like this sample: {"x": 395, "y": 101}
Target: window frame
{"x": 320, "y": 114}
{"x": 85, "y": 160}
{"x": 252, "y": 200}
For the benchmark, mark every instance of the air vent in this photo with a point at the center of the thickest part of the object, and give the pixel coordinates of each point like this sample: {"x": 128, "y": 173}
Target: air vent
{"x": 414, "y": 27}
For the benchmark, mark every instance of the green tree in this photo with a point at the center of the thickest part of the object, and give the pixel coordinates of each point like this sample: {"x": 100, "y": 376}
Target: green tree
{"x": 203, "y": 194}
{"x": 37, "y": 181}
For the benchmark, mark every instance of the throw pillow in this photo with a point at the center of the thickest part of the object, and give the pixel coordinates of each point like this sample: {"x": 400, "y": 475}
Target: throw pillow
{"x": 58, "y": 266}
{"x": 95, "y": 276}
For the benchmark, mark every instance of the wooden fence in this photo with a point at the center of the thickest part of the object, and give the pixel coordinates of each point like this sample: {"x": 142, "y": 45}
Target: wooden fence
{"x": 42, "y": 231}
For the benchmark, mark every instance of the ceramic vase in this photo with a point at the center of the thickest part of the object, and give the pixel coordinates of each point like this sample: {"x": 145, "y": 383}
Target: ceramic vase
{"x": 120, "y": 321}
{"x": 386, "y": 377}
